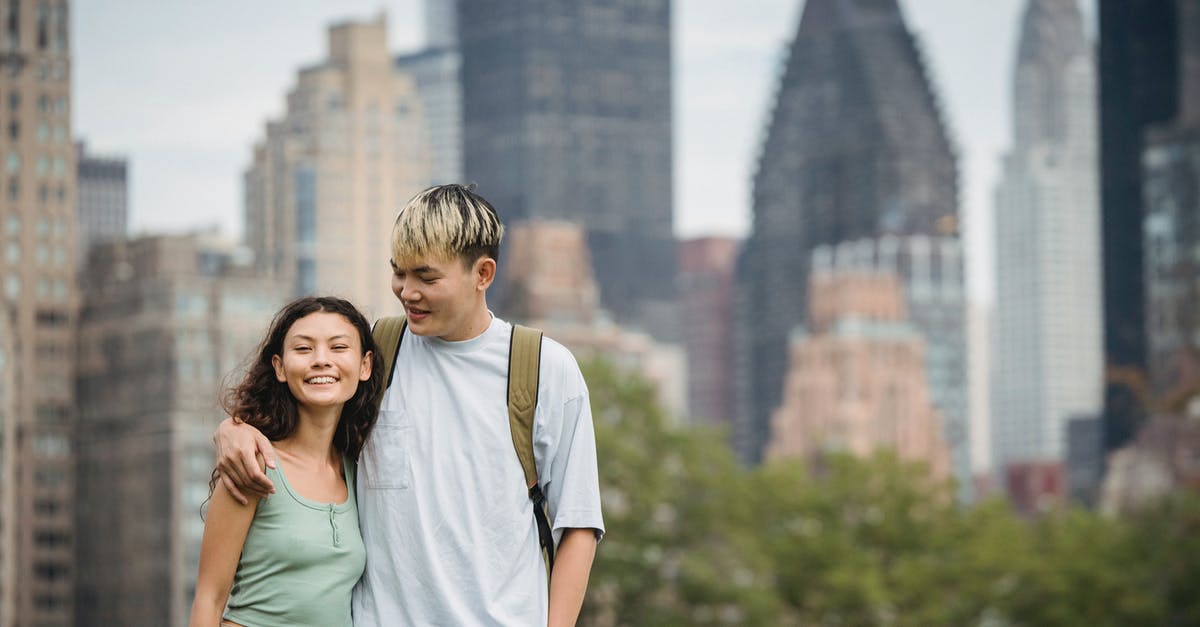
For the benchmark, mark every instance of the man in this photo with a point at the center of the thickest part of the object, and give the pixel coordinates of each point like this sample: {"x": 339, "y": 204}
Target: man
{"x": 444, "y": 510}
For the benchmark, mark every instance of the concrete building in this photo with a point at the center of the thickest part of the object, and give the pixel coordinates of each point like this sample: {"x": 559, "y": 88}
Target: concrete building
{"x": 165, "y": 321}
{"x": 552, "y": 287}
{"x": 102, "y": 198}
{"x": 567, "y": 116}
{"x": 8, "y": 474}
{"x": 706, "y": 300}
{"x": 1047, "y": 359}
{"x": 856, "y": 380}
{"x": 331, "y": 174}
{"x": 855, "y": 148}
{"x": 979, "y": 398}
{"x": 37, "y": 275}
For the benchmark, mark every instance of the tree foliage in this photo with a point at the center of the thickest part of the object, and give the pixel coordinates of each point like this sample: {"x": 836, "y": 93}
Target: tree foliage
{"x": 693, "y": 538}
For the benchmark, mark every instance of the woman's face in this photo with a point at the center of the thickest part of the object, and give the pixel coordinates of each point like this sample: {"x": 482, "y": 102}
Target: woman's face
{"x": 322, "y": 360}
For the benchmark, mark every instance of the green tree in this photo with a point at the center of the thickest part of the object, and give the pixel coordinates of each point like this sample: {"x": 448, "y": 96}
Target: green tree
{"x": 680, "y": 547}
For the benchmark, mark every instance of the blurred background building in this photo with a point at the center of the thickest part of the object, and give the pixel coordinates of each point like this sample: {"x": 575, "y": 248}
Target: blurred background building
{"x": 1047, "y": 364}
{"x": 329, "y": 176}
{"x": 437, "y": 74}
{"x": 37, "y": 270}
{"x": 706, "y": 301}
{"x": 857, "y": 379}
{"x": 855, "y": 148}
{"x": 102, "y": 198}
{"x": 567, "y": 115}
{"x": 166, "y": 322}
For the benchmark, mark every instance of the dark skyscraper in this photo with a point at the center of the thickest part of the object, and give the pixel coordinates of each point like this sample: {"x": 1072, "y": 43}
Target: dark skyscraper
{"x": 567, "y": 115}
{"x": 1138, "y": 88}
{"x": 855, "y": 148}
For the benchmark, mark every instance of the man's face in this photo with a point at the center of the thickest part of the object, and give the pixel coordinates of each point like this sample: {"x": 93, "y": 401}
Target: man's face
{"x": 442, "y": 297}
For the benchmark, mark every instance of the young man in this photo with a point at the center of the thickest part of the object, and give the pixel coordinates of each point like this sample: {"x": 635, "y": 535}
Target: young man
{"x": 444, "y": 510}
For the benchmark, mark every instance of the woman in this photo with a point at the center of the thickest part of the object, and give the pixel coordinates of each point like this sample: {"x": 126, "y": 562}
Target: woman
{"x": 293, "y": 558}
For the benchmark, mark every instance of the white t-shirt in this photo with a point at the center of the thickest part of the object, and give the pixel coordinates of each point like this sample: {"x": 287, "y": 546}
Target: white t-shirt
{"x": 443, "y": 507}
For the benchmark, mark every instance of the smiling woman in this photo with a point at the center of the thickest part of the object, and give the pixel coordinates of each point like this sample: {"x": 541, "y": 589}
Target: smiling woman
{"x": 293, "y": 558}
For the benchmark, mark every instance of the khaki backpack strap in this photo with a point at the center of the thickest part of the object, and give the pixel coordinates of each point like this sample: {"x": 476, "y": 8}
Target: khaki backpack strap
{"x": 387, "y": 333}
{"x": 524, "y": 356}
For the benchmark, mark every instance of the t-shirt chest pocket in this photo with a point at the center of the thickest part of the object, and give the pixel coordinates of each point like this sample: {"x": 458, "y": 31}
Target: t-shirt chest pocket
{"x": 386, "y": 462}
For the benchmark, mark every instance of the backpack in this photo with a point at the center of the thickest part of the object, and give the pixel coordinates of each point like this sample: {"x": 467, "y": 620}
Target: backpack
{"x": 524, "y": 353}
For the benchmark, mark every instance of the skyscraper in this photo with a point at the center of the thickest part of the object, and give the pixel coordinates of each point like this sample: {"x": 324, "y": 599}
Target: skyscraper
{"x": 855, "y": 148}
{"x": 103, "y": 192}
{"x": 330, "y": 175}
{"x": 37, "y": 270}
{"x": 164, "y": 320}
{"x": 1047, "y": 361}
{"x": 567, "y": 115}
{"x": 1171, "y": 235}
{"x": 1138, "y": 88}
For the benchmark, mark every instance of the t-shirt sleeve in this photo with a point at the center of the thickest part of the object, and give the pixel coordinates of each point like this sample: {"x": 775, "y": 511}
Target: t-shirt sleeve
{"x": 566, "y": 444}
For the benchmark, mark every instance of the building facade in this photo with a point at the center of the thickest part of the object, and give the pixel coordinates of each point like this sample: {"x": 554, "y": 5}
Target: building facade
{"x": 856, "y": 379}
{"x": 567, "y": 116}
{"x": 165, "y": 322}
{"x": 855, "y": 148}
{"x": 329, "y": 177}
{"x": 37, "y": 274}
{"x": 1047, "y": 359}
{"x": 1139, "y": 66}
{"x": 102, "y": 198}
{"x": 706, "y": 298}
{"x": 1171, "y": 237}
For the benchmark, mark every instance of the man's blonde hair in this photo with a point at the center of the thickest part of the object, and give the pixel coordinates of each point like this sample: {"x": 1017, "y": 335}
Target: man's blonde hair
{"x": 446, "y": 221}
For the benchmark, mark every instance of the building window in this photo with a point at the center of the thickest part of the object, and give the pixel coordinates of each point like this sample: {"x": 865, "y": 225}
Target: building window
{"x": 12, "y": 288}
{"x": 13, "y": 253}
{"x": 13, "y": 164}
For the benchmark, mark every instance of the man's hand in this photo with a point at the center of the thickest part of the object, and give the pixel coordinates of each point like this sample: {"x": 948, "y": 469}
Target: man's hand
{"x": 241, "y": 453}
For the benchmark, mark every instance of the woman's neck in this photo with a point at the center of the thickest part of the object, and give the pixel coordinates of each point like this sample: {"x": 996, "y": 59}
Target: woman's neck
{"x": 313, "y": 437}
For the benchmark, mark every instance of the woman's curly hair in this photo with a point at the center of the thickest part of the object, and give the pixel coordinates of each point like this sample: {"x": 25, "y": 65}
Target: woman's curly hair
{"x": 267, "y": 404}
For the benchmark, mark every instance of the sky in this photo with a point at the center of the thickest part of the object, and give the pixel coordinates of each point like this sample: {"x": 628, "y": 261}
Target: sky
{"x": 184, "y": 89}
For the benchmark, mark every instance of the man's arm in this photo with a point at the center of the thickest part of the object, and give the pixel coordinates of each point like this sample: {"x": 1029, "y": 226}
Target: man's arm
{"x": 241, "y": 452}
{"x": 568, "y": 582}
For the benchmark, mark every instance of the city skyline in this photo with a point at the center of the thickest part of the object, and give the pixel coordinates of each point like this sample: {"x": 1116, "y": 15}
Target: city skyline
{"x": 201, "y": 100}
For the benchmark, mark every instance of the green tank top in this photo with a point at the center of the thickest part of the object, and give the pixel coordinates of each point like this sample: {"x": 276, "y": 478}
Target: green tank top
{"x": 300, "y": 561}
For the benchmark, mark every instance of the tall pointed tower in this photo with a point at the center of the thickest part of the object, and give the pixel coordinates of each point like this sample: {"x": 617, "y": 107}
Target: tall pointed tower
{"x": 1047, "y": 330}
{"x": 855, "y": 148}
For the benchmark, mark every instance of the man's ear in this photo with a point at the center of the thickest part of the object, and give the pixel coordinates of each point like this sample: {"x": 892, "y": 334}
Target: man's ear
{"x": 485, "y": 272}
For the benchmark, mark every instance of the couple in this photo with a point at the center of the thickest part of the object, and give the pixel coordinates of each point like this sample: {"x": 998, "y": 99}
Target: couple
{"x": 447, "y": 528}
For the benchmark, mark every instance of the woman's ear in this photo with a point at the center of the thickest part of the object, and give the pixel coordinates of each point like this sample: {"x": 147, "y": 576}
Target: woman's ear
{"x": 277, "y": 362}
{"x": 364, "y": 372}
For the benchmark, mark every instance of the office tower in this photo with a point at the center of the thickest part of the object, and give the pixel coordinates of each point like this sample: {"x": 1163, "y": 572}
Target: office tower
{"x": 554, "y": 289}
{"x": 165, "y": 320}
{"x": 1138, "y": 88}
{"x": 331, "y": 174}
{"x": 706, "y": 297}
{"x": 855, "y": 148}
{"x": 102, "y": 194}
{"x": 567, "y": 116}
{"x": 1171, "y": 235}
{"x": 1047, "y": 361}
{"x": 441, "y": 23}
{"x": 435, "y": 73}
{"x": 37, "y": 271}
{"x": 856, "y": 379}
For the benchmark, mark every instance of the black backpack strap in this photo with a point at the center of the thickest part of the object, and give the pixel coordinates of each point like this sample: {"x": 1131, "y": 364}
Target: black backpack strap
{"x": 524, "y": 357}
